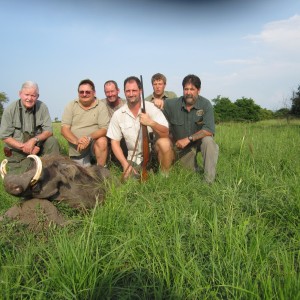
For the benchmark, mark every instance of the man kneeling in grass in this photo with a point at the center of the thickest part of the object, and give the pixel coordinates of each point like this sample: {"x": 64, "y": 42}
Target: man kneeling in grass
{"x": 192, "y": 127}
{"x": 126, "y": 123}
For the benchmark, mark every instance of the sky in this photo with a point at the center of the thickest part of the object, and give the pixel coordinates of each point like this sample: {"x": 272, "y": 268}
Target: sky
{"x": 238, "y": 48}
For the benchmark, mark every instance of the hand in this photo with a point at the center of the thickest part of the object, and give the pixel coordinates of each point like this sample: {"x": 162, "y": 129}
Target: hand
{"x": 36, "y": 150}
{"x": 83, "y": 143}
{"x": 127, "y": 170}
{"x": 180, "y": 144}
{"x": 159, "y": 103}
{"x": 145, "y": 119}
{"x": 29, "y": 147}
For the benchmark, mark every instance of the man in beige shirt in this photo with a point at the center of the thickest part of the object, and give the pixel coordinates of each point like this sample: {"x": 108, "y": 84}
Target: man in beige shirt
{"x": 84, "y": 125}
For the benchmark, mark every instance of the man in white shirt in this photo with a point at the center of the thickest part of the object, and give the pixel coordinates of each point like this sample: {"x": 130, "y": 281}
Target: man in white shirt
{"x": 126, "y": 122}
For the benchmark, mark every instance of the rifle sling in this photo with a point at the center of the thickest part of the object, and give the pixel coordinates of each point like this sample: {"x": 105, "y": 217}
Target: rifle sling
{"x": 133, "y": 153}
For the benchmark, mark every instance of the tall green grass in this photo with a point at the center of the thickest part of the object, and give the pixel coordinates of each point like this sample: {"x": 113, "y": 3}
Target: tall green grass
{"x": 176, "y": 237}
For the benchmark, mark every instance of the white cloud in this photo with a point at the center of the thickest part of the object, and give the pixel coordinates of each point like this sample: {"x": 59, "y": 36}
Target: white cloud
{"x": 283, "y": 34}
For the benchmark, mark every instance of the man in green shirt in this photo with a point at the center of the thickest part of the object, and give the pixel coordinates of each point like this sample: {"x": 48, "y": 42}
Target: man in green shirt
{"x": 84, "y": 125}
{"x": 192, "y": 127}
{"x": 26, "y": 128}
{"x": 159, "y": 82}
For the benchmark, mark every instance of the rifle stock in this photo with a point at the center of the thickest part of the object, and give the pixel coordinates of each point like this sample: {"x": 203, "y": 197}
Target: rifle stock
{"x": 146, "y": 151}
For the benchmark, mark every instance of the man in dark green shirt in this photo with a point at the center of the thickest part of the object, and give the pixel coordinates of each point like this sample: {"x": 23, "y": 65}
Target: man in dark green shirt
{"x": 192, "y": 127}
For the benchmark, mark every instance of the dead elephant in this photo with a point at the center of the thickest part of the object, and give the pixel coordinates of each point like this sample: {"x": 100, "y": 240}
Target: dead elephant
{"x": 61, "y": 179}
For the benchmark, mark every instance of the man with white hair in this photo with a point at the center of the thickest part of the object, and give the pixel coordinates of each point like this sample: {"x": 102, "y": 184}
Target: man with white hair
{"x": 26, "y": 128}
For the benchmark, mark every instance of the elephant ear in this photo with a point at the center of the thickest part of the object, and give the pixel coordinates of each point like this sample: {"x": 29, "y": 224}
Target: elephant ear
{"x": 67, "y": 171}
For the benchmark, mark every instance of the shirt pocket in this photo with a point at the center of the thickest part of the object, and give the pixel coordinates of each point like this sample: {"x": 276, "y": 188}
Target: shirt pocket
{"x": 199, "y": 121}
{"x": 126, "y": 126}
{"x": 176, "y": 121}
{"x": 17, "y": 124}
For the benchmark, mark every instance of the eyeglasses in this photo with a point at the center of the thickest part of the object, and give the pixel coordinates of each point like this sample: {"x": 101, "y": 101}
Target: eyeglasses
{"x": 85, "y": 92}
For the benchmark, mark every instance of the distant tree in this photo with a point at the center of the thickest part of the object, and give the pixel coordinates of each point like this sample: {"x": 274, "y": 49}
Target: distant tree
{"x": 247, "y": 110}
{"x": 295, "y": 109}
{"x": 265, "y": 114}
{"x": 282, "y": 113}
{"x": 224, "y": 109}
{"x": 3, "y": 99}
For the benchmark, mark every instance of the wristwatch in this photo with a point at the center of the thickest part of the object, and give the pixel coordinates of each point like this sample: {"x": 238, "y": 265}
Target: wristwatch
{"x": 191, "y": 138}
{"x": 37, "y": 139}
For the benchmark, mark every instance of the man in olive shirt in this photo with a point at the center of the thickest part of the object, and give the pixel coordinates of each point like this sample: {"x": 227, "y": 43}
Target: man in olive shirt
{"x": 84, "y": 125}
{"x": 26, "y": 128}
{"x": 192, "y": 127}
{"x": 113, "y": 102}
{"x": 159, "y": 82}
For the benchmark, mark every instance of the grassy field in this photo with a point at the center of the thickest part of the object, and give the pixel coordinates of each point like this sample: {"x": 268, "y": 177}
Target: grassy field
{"x": 175, "y": 237}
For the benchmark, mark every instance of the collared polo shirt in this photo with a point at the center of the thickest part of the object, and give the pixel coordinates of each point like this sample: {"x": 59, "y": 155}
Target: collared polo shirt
{"x": 184, "y": 123}
{"x": 124, "y": 124}
{"x": 110, "y": 109}
{"x": 84, "y": 122}
{"x": 11, "y": 122}
{"x": 166, "y": 95}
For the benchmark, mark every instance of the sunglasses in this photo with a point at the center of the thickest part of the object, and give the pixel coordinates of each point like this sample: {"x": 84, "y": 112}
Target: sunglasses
{"x": 84, "y": 92}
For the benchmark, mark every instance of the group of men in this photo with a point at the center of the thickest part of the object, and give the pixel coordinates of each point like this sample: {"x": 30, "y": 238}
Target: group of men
{"x": 109, "y": 130}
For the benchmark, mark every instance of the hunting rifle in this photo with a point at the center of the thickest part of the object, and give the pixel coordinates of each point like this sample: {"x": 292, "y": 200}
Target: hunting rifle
{"x": 146, "y": 151}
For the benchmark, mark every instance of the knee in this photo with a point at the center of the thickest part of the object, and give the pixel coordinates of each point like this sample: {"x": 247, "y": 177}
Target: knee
{"x": 209, "y": 148}
{"x": 101, "y": 143}
{"x": 209, "y": 143}
{"x": 163, "y": 145}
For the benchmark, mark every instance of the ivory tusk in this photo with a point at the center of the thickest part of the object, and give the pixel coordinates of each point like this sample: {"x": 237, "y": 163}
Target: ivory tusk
{"x": 3, "y": 168}
{"x": 39, "y": 168}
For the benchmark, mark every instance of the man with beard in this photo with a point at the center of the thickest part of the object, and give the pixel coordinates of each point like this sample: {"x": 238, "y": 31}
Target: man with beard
{"x": 192, "y": 127}
{"x": 84, "y": 125}
{"x": 126, "y": 123}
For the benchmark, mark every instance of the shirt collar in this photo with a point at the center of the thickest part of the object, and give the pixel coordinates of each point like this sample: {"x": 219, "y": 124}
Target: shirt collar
{"x": 164, "y": 96}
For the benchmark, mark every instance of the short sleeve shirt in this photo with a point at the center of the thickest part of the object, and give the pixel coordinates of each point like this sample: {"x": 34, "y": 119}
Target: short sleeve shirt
{"x": 166, "y": 95}
{"x": 112, "y": 110}
{"x": 84, "y": 122}
{"x": 124, "y": 124}
{"x": 184, "y": 123}
{"x": 11, "y": 121}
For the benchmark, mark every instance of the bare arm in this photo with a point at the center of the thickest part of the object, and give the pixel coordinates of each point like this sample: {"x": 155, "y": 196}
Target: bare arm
{"x": 196, "y": 136}
{"x": 68, "y": 134}
{"x": 161, "y": 130}
{"x": 28, "y": 147}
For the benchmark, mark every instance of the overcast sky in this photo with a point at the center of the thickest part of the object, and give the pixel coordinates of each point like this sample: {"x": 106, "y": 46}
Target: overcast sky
{"x": 239, "y": 48}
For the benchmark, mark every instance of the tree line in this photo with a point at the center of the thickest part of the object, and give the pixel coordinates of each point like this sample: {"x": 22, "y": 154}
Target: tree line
{"x": 243, "y": 109}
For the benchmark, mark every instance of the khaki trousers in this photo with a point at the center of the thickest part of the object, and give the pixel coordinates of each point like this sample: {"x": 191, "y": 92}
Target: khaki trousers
{"x": 210, "y": 152}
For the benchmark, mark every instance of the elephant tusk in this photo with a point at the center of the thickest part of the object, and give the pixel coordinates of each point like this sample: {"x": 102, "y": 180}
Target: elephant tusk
{"x": 3, "y": 168}
{"x": 39, "y": 168}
